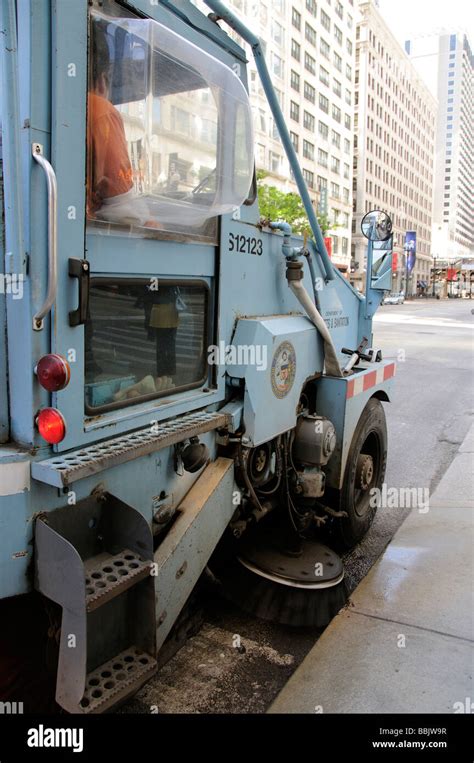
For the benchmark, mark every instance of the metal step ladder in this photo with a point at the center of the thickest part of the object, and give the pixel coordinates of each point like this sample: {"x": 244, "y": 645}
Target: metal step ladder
{"x": 95, "y": 562}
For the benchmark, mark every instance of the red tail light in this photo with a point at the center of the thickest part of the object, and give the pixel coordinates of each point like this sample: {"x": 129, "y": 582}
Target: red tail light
{"x": 51, "y": 425}
{"x": 53, "y": 372}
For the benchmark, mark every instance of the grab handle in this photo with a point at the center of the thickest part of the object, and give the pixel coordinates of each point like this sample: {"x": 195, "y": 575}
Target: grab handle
{"x": 38, "y": 319}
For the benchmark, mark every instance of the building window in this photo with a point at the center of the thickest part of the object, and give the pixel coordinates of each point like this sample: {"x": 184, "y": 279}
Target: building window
{"x": 335, "y": 139}
{"x": 337, "y": 61}
{"x": 335, "y": 164}
{"x": 325, "y": 21}
{"x": 345, "y": 195}
{"x": 312, "y": 7}
{"x": 347, "y": 121}
{"x": 349, "y": 97}
{"x": 347, "y": 146}
{"x": 277, "y": 33}
{"x": 309, "y": 92}
{"x": 339, "y": 9}
{"x": 322, "y": 157}
{"x": 295, "y": 50}
{"x": 309, "y": 63}
{"x": 296, "y": 19}
{"x": 324, "y": 48}
{"x": 345, "y": 241}
{"x": 323, "y": 130}
{"x": 277, "y": 66}
{"x": 295, "y": 80}
{"x": 295, "y": 140}
{"x": 336, "y": 86}
{"x": 308, "y": 121}
{"x": 309, "y": 177}
{"x": 310, "y": 34}
{"x": 322, "y": 183}
{"x": 323, "y": 103}
{"x": 349, "y": 46}
{"x": 324, "y": 75}
{"x": 308, "y": 150}
{"x": 349, "y": 72}
{"x": 275, "y": 162}
{"x": 335, "y": 191}
{"x": 294, "y": 111}
{"x": 336, "y": 113}
{"x": 338, "y": 35}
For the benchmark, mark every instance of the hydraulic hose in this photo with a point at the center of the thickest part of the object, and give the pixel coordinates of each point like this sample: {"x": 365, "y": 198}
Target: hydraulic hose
{"x": 330, "y": 358}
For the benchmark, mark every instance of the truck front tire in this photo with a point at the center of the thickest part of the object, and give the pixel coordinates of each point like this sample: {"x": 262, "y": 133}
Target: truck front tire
{"x": 364, "y": 475}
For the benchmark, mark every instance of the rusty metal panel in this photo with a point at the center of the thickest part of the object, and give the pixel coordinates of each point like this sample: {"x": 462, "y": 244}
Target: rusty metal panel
{"x": 204, "y": 514}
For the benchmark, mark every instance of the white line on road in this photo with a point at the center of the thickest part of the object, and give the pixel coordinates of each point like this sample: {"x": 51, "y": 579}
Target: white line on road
{"x": 414, "y": 319}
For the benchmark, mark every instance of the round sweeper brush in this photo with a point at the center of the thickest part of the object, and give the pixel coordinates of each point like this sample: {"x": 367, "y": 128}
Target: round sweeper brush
{"x": 307, "y": 589}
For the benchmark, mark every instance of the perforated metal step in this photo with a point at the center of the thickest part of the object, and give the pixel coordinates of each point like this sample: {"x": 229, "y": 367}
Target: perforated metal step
{"x": 62, "y": 470}
{"x": 108, "y": 576}
{"x": 116, "y": 680}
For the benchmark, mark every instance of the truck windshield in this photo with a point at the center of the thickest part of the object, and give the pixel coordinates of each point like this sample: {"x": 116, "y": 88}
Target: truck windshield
{"x": 160, "y": 111}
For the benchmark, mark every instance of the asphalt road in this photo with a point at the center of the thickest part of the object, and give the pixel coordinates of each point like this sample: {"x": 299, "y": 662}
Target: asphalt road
{"x": 430, "y": 413}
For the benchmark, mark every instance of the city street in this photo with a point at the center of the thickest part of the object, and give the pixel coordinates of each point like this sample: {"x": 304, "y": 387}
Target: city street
{"x": 431, "y": 411}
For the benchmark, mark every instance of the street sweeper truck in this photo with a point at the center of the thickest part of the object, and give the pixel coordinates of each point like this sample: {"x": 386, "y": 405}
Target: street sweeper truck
{"x": 187, "y": 389}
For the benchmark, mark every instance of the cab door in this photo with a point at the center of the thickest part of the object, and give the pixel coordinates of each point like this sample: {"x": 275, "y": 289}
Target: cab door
{"x": 139, "y": 111}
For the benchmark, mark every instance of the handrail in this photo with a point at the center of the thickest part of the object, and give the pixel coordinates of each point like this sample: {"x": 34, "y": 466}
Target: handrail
{"x": 223, "y": 13}
{"x": 37, "y": 152}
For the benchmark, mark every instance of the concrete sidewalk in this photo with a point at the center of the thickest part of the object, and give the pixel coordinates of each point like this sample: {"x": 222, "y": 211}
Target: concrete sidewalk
{"x": 404, "y": 644}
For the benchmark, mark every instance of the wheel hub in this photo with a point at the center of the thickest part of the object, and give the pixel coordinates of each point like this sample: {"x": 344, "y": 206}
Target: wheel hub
{"x": 364, "y": 471}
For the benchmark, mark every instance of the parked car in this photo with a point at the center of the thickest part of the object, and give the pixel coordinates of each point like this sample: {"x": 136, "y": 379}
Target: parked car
{"x": 394, "y": 299}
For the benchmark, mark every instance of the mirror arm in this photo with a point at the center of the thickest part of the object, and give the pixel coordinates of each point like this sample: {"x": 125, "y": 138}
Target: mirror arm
{"x": 368, "y": 280}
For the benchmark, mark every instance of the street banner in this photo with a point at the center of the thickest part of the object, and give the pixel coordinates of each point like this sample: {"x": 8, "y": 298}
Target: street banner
{"x": 328, "y": 242}
{"x": 394, "y": 262}
{"x": 410, "y": 247}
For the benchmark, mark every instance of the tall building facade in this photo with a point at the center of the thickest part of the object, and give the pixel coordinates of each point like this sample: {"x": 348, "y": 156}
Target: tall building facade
{"x": 394, "y": 149}
{"x": 447, "y": 63}
{"x": 310, "y": 51}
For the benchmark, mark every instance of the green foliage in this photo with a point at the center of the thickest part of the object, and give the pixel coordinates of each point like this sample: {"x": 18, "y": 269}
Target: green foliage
{"x": 278, "y": 205}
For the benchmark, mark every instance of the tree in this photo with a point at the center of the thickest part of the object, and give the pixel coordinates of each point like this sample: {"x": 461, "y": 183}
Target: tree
{"x": 278, "y": 205}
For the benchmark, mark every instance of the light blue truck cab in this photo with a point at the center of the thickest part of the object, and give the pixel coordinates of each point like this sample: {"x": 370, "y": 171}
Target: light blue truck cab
{"x": 183, "y": 385}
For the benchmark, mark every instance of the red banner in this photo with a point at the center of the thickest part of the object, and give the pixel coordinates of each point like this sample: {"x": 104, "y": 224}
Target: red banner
{"x": 451, "y": 274}
{"x": 394, "y": 261}
{"x": 328, "y": 242}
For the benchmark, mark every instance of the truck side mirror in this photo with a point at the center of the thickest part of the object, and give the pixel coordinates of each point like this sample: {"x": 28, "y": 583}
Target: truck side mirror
{"x": 376, "y": 225}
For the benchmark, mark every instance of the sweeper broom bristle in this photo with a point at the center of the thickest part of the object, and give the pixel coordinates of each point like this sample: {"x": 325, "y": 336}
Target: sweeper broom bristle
{"x": 279, "y": 603}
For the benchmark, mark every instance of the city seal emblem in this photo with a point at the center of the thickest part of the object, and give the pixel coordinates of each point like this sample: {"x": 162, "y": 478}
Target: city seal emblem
{"x": 283, "y": 369}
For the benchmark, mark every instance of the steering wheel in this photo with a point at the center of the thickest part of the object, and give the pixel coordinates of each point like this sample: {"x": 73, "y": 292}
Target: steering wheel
{"x": 202, "y": 183}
